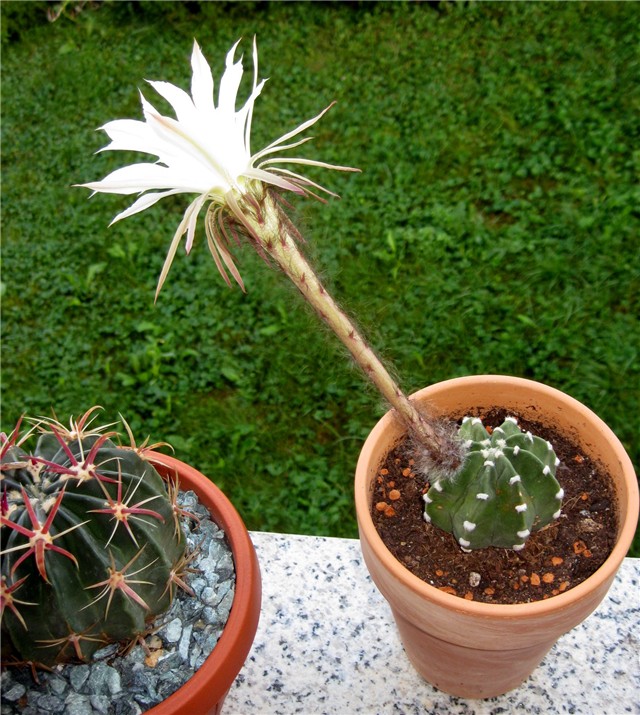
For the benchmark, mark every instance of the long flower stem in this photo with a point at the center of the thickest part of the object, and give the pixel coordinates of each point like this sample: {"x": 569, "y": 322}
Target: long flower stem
{"x": 275, "y": 236}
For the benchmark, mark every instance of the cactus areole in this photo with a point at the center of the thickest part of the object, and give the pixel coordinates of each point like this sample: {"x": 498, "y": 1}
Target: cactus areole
{"x": 505, "y": 490}
{"x": 91, "y": 543}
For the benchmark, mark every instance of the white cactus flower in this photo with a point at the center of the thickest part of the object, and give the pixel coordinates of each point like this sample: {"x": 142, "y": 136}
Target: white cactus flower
{"x": 205, "y": 151}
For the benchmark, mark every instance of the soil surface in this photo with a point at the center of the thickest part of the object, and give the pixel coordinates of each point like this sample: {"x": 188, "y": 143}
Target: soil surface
{"x": 555, "y": 558}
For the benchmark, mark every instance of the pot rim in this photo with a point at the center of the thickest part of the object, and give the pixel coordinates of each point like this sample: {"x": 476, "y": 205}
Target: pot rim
{"x": 211, "y": 682}
{"x": 556, "y": 603}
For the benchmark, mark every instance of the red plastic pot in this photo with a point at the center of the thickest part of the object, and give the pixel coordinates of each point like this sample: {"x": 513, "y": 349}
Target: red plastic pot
{"x": 204, "y": 693}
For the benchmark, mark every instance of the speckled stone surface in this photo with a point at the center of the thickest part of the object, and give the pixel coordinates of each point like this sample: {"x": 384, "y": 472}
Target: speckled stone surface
{"x": 327, "y": 645}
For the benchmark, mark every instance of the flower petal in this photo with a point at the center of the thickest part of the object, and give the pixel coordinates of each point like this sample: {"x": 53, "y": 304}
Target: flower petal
{"x": 192, "y": 210}
{"x": 301, "y": 182}
{"x": 307, "y": 162}
{"x": 271, "y": 178}
{"x": 131, "y": 135}
{"x": 135, "y": 178}
{"x": 201, "y": 82}
{"x": 144, "y": 202}
{"x": 192, "y": 222}
{"x": 301, "y": 128}
{"x": 180, "y": 101}
{"x": 230, "y": 83}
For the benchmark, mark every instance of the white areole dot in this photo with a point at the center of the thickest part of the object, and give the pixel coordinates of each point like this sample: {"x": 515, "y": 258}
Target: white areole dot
{"x": 521, "y": 507}
{"x": 468, "y": 525}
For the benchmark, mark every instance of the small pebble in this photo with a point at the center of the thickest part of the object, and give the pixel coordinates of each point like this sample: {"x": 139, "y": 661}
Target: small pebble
{"x": 14, "y": 693}
{"x": 173, "y": 631}
{"x": 78, "y": 676}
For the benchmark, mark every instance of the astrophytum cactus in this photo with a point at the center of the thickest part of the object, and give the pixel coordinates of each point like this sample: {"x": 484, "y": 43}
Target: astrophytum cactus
{"x": 92, "y": 549}
{"x": 506, "y": 489}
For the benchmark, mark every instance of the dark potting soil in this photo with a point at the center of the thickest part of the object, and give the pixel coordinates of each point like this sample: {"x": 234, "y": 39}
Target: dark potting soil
{"x": 555, "y": 558}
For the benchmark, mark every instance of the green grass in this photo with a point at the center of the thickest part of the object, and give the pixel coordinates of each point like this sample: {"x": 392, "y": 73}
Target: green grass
{"x": 494, "y": 228}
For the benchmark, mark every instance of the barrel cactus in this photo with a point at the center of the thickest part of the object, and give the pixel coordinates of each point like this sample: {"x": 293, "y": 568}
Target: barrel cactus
{"x": 506, "y": 488}
{"x": 92, "y": 548}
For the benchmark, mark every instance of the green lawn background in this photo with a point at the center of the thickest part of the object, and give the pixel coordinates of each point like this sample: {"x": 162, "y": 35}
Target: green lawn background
{"x": 494, "y": 228}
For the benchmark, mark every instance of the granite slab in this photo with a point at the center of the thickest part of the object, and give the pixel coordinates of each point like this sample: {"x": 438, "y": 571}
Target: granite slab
{"x": 327, "y": 644}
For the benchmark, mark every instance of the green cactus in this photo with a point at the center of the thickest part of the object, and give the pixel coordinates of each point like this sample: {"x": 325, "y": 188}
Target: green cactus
{"x": 505, "y": 490}
{"x": 91, "y": 543}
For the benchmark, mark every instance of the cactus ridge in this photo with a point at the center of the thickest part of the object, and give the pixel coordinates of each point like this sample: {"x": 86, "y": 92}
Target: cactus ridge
{"x": 91, "y": 546}
{"x": 506, "y": 488}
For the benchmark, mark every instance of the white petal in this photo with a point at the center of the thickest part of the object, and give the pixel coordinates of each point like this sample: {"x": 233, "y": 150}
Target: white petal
{"x": 177, "y": 98}
{"x": 192, "y": 222}
{"x": 284, "y": 147}
{"x": 272, "y": 179}
{"x": 201, "y": 82}
{"x": 194, "y": 206}
{"x": 285, "y": 137}
{"x": 230, "y": 83}
{"x": 249, "y": 105}
{"x": 307, "y": 162}
{"x": 303, "y": 180}
{"x": 135, "y": 178}
{"x": 129, "y": 135}
{"x": 144, "y": 202}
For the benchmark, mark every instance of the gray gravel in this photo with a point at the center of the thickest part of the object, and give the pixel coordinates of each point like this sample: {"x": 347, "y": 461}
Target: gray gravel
{"x": 126, "y": 685}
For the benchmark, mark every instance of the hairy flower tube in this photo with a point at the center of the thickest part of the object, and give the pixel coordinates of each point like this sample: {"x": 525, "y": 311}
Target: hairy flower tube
{"x": 206, "y": 151}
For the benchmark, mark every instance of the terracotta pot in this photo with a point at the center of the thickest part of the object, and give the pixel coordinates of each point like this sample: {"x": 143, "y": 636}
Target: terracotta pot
{"x": 204, "y": 693}
{"x": 480, "y": 650}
